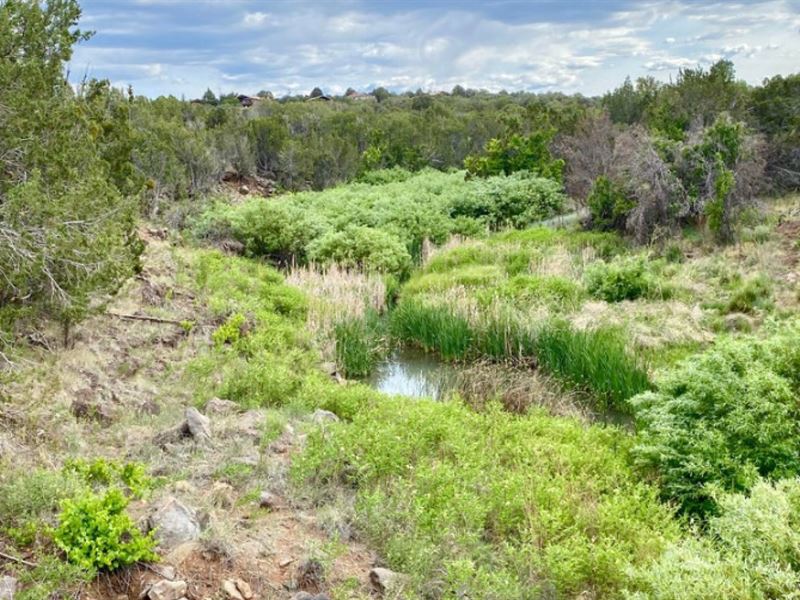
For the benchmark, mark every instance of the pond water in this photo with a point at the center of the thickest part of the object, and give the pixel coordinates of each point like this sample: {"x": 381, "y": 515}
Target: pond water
{"x": 414, "y": 373}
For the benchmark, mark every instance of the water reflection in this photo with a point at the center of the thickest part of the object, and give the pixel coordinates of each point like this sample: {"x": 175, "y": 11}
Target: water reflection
{"x": 411, "y": 372}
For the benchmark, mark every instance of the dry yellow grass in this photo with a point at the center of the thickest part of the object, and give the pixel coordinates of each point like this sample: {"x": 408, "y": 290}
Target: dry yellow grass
{"x": 336, "y": 294}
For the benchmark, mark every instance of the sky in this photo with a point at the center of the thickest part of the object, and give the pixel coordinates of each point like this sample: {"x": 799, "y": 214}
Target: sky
{"x": 182, "y": 48}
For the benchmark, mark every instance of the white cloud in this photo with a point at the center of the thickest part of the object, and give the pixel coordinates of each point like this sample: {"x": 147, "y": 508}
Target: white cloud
{"x": 255, "y": 19}
{"x": 295, "y": 47}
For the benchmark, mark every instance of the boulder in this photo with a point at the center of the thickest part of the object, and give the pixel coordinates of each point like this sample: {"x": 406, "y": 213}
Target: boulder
{"x": 174, "y": 523}
{"x": 8, "y": 587}
{"x": 237, "y": 589}
{"x": 195, "y": 426}
{"x": 167, "y": 590}
{"x": 230, "y": 590}
{"x": 198, "y": 425}
{"x": 218, "y": 406}
{"x": 386, "y": 581}
{"x": 267, "y": 500}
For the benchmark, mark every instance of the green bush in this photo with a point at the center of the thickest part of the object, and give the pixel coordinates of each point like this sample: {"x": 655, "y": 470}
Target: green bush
{"x": 515, "y": 201}
{"x": 723, "y": 417}
{"x": 750, "y": 550}
{"x": 96, "y": 533}
{"x": 274, "y": 229}
{"x": 624, "y": 278}
{"x": 750, "y": 295}
{"x": 362, "y": 248}
{"x": 490, "y": 505}
{"x": 516, "y": 152}
{"x": 608, "y": 205}
{"x": 383, "y": 176}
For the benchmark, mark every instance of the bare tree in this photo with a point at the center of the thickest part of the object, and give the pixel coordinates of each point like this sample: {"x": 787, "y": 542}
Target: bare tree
{"x": 588, "y": 153}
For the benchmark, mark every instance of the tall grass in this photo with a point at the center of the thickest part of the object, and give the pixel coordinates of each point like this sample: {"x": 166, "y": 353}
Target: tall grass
{"x": 595, "y": 360}
{"x": 436, "y": 328}
{"x": 339, "y": 299}
{"x": 592, "y": 359}
{"x": 360, "y": 344}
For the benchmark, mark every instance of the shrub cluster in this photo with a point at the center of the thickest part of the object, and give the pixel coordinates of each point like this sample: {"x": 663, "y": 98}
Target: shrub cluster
{"x": 490, "y": 505}
{"x": 723, "y": 418}
{"x": 381, "y": 226}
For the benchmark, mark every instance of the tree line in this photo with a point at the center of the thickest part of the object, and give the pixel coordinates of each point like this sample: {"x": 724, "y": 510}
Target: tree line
{"x": 79, "y": 165}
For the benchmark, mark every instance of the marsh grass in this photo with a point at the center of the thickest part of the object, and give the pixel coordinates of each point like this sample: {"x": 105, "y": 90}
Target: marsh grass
{"x": 361, "y": 343}
{"x": 339, "y": 298}
{"x": 594, "y": 360}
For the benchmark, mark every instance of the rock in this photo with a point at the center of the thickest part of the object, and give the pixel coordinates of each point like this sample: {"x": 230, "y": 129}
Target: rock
{"x": 167, "y": 590}
{"x": 218, "y": 406}
{"x": 199, "y": 425}
{"x": 196, "y": 426}
{"x": 222, "y": 495}
{"x": 249, "y": 424}
{"x": 181, "y": 553}
{"x": 174, "y": 523}
{"x": 87, "y": 409}
{"x": 244, "y": 589}
{"x": 321, "y": 416}
{"x": 244, "y": 190}
{"x": 285, "y": 562}
{"x": 230, "y": 590}
{"x": 310, "y": 574}
{"x": 267, "y": 500}
{"x": 8, "y": 587}
{"x": 385, "y": 580}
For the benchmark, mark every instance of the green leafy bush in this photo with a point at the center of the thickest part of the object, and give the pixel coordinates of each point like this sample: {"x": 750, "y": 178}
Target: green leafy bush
{"x": 750, "y": 295}
{"x": 608, "y": 205}
{"x": 750, "y": 550}
{"x": 516, "y": 152}
{"x": 230, "y": 331}
{"x": 102, "y": 472}
{"x": 723, "y": 417}
{"x": 489, "y": 505}
{"x": 96, "y": 533}
{"x": 274, "y": 229}
{"x": 363, "y": 248}
{"x": 515, "y": 201}
{"x": 624, "y": 278}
